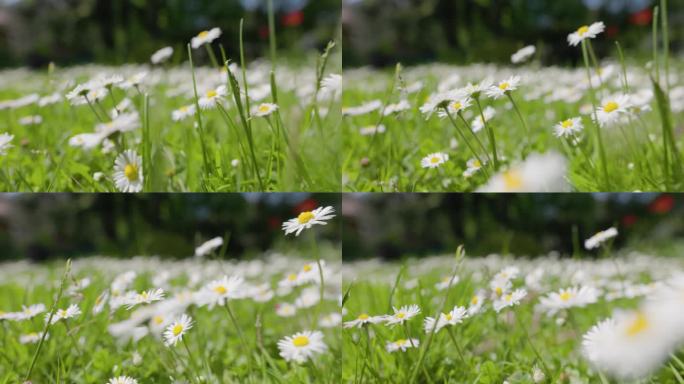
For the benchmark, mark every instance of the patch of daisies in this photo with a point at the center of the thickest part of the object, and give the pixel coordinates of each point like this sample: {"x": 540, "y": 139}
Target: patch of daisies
{"x": 643, "y": 334}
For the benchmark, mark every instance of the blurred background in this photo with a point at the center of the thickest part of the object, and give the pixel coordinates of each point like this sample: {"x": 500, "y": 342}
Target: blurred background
{"x": 35, "y": 32}
{"x": 40, "y": 227}
{"x": 393, "y": 226}
{"x": 384, "y": 32}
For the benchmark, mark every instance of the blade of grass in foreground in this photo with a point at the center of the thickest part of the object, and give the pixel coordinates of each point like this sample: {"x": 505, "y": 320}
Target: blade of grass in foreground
{"x": 198, "y": 116}
{"x": 669, "y": 144}
{"x": 460, "y": 255}
{"x": 48, "y": 323}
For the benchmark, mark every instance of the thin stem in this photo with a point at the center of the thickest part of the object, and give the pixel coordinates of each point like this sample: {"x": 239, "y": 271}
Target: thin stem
{"x": 235, "y": 324}
{"x": 192, "y": 360}
{"x": 320, "y": 275}
{"x": 490, "y": 133}
{"x": 457, "y": 345}
{"x": 453, "y": 122}
{"x": 484, "y": 149}
{"x": 520, "y": 116}
{"x": 599, "y": 139}
{"x": 212, "y": 56}
{"x": 534, "y": 349}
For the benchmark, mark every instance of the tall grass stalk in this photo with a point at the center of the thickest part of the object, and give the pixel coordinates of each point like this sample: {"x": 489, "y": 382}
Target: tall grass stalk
{"x": 48, "y": 323}
{"x": 198, "y": 116}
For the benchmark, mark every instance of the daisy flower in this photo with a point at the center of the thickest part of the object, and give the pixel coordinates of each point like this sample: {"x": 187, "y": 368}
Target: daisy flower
{"x": 145, "y": 297}
{"x": 612, "y": 109}
{"x": 31, "y": 311}
{"x": 205, "y": 37}
{"x": 440, "y": 100}
{"x": 208, "y": 246}
{"x": 453, "y": 317}
{"x": 568, "y": 127}
{"x": 523, "y": 54}
{"x": 5, "y": 140}
{"x": 434, "y": 160}
{"x": 31, "y": 338}
{"x": 509, "y": 299}
{"x": 472, "y": 166}
{"x": 122, "y": 380}
{"x": 183, "y": 112}
{"x": 307, "y": 219}
{"x": 128, "y": 172}
{"x": 402, "y": 314}
{"x": 219, "y": 291}
{"x": 372, "y": 130}
{"x": 161, "y": 55}
{"x": 537, "y": 173}
{"x": 332, "y": 83}
{"x": 175, "y": 331}
{"x": 264, "y": 109}
{"x": 477, "y": 124}
{"x": 285, "y": 310}
{"x": 330, "y": 320}
{"x": 62, "y": 314}
{"x": 213, "y": 96}
{"x": 600, "y": 238}
{"x": 585, "y": 32}
{"x": 456, "y": 106}
{"x": 476, "y": 303}
{"x": 301, "y": 346}
{"x": 363, "y": 319}
{"x": 31, "y": 120}
{"x": 568, "y": 298}
{"x": 401, "y": 106}
{"x": 100, "y": 302}
{"x": 402, "y": 345}
{"x": 508, "y": 85}
{"x": 362, "y": 109}
{"x": 133, "y": 81}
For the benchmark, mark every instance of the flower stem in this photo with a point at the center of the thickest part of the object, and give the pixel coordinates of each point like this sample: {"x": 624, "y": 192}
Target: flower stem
{"x": 599, "y": 139}
{"x": 490, "y": 133}
{"x": 453, "y": 122}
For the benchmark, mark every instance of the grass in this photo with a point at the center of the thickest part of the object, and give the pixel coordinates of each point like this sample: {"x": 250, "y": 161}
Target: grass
{"x": 221, "y": 149}
{"x": 640, "y": 152}
{"x": 218, "y": 349}
{"x": 488, "y": 347}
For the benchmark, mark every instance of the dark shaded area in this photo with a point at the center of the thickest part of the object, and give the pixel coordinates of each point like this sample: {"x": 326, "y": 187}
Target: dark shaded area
{"x": 392, "y": 226}
{"x": 383, "y": 32}
{"x": 35, "y": 32}
{"x": 45, "y": 226}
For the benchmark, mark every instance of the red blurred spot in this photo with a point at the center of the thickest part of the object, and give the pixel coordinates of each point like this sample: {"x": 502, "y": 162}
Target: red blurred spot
{"x": 612, "y": 31}
{"x": 293, "y": 19}
{"x": 263, "y": 32}
{"x": 662, "y": 204}
{"x": 306, "y": 205}
{"x": 629, "y": 220}
{"x": 274, "y": 222}
{"x": 642, "y": 17}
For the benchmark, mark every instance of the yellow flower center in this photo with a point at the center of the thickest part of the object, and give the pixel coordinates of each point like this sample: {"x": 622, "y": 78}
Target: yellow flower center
{"x": 221, "y": 290}
{"x": 61, "y": 313}
{"x": 504, "y": 86}
{"x": 300, "y": 341}
{"x": 434, "y": 160}
{"x": 565, "y": 296}
{"x": 474, "y": 300}
{"x": 263, "y": 108}
{"x": 610, "y": 106}
{"x": 211, "y": 94}
{"x": 567, "y": 123}
{"x": 400, "y": 315}
{"x": 512, "y": 180}
{"x": 508, "y": 297}
{"x": 184, "y": 109}
{"x": 363, "y": 316}
{"x": 498, "y": 291}
{"x": 177, "y": 329}
{"x": 131, "y": 172}
{"x": 307, "y": 268}
{"x": 158, "y": 320}
{"x": 400, "y": 342}
{"x": 638, "y": 325}
{"x": 456, "y": 105}
{"x": 582, "y": 30}
{"x": 448, "y": 316}
{"x": 203, "y": 34}
{"x": 305, "y": 217}
{"x": 291, "y": 277}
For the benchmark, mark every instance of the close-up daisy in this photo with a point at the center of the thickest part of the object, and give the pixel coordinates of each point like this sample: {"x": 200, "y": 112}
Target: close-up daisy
{"x": 363, "y": 319}
{"x": 402, "y": 345}
{"x": 568, "y": 127}
{"x": 586, "y": 32}
{"x": 453, "y": 317}
{"x": 128, "y": 172}
{"x": 434, "y": 160}
{"x": 174, "y": 332}
{"x": 205, "y": 37}
{"x": 402, "y": 314}
{"x": 302, "y": 346}
{"x": 503, "y": 87}
{"x": 264, "y": 109}
{"x": 307, "y": 219}
{"x": 122, "y": 380}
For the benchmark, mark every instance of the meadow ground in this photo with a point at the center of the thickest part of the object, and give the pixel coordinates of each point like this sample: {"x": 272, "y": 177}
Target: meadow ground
{"x": 613, "y": 124}
{"x": 136, "y": 128}
{"x": 514, "y": 320}
{"x": 111, "y": 320}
